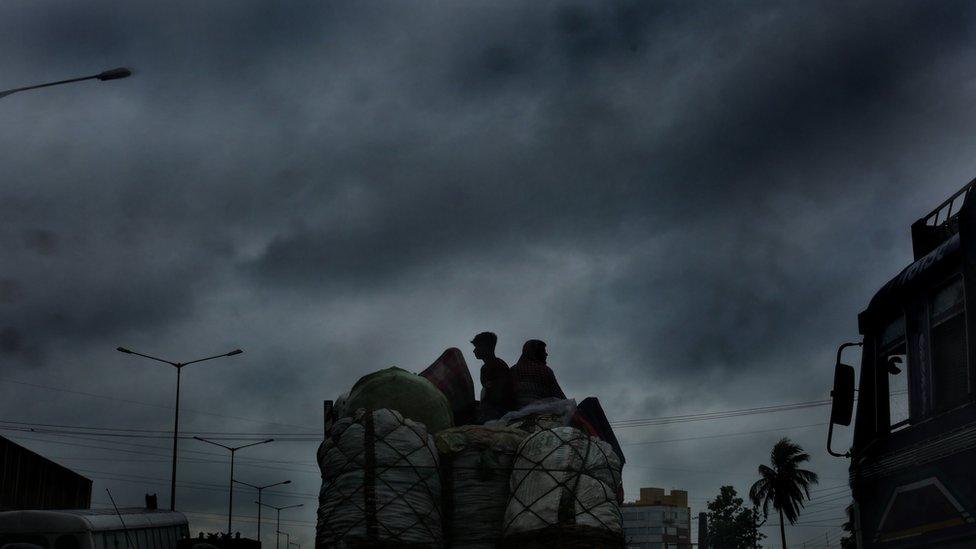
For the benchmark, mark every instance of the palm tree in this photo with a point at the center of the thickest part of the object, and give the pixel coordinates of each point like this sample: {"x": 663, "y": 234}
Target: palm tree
{"x": 783, "y": 484}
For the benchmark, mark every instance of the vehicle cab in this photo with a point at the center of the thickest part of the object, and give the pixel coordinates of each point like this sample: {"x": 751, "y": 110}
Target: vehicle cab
{"x": 914, "y": 441}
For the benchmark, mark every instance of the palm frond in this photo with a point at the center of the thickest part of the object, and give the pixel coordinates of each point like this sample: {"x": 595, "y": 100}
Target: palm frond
{"x": 782, "y": 484}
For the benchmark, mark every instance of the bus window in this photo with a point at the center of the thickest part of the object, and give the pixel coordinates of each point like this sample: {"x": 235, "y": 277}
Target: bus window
{"x": 894, "y": 361}
{"x": 950, "y": 372}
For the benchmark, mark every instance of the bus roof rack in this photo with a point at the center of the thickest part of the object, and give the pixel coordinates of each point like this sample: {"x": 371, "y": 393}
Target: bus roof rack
{"x": 941, "y": 223}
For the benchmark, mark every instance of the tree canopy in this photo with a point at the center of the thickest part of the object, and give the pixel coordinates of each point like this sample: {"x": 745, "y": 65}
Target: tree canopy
{"x": 731, "y": 525}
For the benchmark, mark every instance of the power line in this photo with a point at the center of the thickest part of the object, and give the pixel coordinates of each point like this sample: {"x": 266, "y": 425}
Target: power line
{"x": 59, "y": 429}
{"x": 705, "y": 416}
{"x": 165, "y": 432}
{"x": 250, "y": 462}
{"x": 625, "y": 423}
{"x": 147, "y": 404}
{"x": 724, "y": 435}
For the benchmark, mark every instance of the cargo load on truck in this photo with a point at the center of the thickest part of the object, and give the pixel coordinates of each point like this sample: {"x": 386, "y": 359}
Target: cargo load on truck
{"x": 405, "y": 465}
{"x": 564, "y": 488}
{"x": 411, "y": 395}
{"x": 476, "y": 464}
{"x": 380, "y": 484}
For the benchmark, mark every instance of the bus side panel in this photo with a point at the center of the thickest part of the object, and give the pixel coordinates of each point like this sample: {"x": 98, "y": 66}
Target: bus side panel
{"x": 932, "y": 504}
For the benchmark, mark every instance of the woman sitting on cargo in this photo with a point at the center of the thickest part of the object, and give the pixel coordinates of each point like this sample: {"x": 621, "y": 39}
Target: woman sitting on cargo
{"x": 533, "y": 379}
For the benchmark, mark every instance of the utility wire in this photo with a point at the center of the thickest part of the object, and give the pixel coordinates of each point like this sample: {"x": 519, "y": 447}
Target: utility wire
{"x": 625, "y": 423}
{"x": 147, "y": 404}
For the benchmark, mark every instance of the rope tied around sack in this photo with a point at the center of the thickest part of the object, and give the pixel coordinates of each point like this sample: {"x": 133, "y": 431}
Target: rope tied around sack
{"x": 364, "y": 497}
{"x": 568, "y": 486}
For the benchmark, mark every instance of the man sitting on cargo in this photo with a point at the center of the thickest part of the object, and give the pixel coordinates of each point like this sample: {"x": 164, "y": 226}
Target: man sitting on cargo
{"x": 533, "y": 379}
{"x": 496, "y": 382}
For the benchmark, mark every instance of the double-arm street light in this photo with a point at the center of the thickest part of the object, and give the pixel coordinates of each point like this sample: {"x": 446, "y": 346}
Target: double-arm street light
{"x": 113, "y": 74}
{"x": 259, "y": 489}
{"x": 278, "y": 520}
{"x": 233, "y": 450}
{"x": 176, "y": 422}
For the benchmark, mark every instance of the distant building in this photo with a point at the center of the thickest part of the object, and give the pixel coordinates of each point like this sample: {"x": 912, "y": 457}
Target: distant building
{"x": 31, "y": 481}
{"x": 702, "y": 530}
{"x": 658, "y": 520}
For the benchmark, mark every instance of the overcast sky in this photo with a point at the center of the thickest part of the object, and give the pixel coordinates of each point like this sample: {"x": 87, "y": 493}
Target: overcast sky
{"x": 689, "y": 202}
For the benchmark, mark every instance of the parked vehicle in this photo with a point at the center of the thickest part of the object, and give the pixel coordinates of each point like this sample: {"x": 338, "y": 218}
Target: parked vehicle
{"x": 93, "y": 529}
{"x": 914, "y": 441}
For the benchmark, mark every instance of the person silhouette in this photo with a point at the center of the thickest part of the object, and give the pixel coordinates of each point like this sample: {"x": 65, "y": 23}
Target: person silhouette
{"x": 496, "y": 381}
{"x": 532, "y": 378}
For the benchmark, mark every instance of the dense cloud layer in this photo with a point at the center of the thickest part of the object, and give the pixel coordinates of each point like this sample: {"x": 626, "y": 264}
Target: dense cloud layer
{"x": 689, "y": 202}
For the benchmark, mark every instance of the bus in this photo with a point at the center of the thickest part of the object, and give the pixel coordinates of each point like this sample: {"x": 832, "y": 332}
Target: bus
{"x": 913, "y": 454}
{"x": 133, "y": 528}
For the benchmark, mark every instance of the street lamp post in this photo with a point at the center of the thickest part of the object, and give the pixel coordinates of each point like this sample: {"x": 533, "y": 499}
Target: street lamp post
{"x": 278, "y": 520}
{"x": 176, "y": 422}
{"x": 259, "y": 489}
{"x": 233, "y": 450}
{"x": 113, "y": 74}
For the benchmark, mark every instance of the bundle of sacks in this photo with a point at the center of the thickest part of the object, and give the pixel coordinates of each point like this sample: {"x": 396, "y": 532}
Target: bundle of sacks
{"x": 476, "y": 466}
{"x": 563, "y": 492}
{"x": 380, "y": 483}
{"x": 396, "y": 472}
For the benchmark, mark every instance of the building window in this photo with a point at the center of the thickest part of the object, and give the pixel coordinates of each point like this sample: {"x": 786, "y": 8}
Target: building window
{"x": 950, "y": 371}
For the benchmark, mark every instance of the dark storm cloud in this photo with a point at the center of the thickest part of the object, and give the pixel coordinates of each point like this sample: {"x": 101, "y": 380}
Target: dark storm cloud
{"x": 694, "y": 200}
{"x": 787, "y": 90}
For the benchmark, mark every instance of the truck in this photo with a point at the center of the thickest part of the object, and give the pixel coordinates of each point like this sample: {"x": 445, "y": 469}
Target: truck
{"x": 913, "y": 452}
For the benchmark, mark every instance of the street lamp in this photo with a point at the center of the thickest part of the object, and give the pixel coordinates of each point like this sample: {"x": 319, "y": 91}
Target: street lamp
{"x": 176, "y": 422}
{"x": 113, "y": 74}
{"x": 259, "y": 489}
{"x": 278, "y": 522}
{"x": 233, "y": 450}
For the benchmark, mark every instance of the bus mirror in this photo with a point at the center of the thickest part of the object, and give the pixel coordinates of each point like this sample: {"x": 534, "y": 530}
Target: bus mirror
{"x": 842, "y": 394}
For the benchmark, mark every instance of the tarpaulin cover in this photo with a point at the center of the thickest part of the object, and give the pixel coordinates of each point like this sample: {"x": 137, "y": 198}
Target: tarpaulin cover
{"x": 450, "y": 374}
{"x": 476, "y": 462}
{"x": 411, "y": 395}
{"x": 380, "y": 484}
{"x": 591, "y": 419}
{"x": 563, "y": 478}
